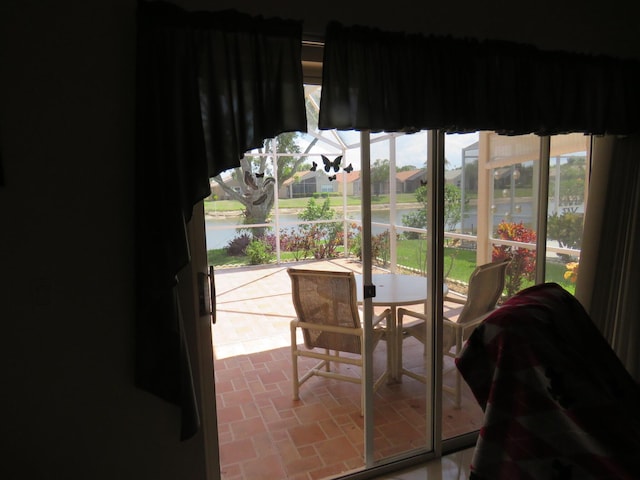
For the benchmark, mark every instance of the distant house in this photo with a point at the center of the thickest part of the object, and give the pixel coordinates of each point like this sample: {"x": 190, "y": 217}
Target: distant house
{"x": 217, "y": 190}
{"x": 408, "y": 181}
{"x": 351, "y": 181}
{"x": 305, "y": 184}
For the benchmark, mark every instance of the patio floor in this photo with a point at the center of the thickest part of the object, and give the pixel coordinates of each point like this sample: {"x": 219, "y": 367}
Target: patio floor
{"x": 264, "y": 433}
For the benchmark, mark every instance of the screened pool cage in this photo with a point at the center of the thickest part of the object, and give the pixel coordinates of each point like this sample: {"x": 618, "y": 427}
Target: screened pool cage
{"x": 304, "y": 195}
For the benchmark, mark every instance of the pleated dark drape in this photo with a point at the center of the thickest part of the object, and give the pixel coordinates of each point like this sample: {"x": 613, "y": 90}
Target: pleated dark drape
{"x": 615, "y": 306}
{"x": 210, "y": 86}
{"x": 384, "y": 81}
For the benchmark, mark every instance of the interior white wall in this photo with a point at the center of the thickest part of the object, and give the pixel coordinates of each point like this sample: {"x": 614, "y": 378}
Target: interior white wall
{"x": 69, "y": 406}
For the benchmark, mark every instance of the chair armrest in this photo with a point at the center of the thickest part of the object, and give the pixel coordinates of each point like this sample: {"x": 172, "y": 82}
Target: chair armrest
{"x": 463, "y": 326}
{"x": 376, "y": 319}
{"x": 410, "y": 313}
{"x": 403, "y": 312}
{"x": 326, "y": 328}
{"x": 384, "y": 315}
{"x": 450, "y": 323}
{"x": 455, "y": 297}
{"x": 478, "y": 320}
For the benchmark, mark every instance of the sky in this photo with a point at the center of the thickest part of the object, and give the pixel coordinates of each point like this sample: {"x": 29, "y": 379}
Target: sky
{"x": 410, "y": 149}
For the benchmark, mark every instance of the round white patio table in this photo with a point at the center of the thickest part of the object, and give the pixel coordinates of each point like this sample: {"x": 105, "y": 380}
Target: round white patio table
{"x": 394, "y": 290}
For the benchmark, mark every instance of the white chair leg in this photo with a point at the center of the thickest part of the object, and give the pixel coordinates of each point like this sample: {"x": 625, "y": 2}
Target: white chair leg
{"x": 294, "y": 363}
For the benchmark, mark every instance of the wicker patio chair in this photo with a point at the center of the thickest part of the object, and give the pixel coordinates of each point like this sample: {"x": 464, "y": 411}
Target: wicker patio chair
{"x": 486, "y": 284}
{"x": 330, "y": 321}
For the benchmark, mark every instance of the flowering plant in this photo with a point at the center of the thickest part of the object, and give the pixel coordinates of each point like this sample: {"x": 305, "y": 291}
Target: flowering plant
{"x": 523, "y": 260}
{"x": 572, "y": 271}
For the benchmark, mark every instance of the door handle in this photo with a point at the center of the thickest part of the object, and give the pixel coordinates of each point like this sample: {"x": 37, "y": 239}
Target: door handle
{"x": 207, "y": 294}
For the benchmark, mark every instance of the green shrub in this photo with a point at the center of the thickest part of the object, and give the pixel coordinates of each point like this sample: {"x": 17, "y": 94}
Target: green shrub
{"x": 567, "y": 230}
{"x": 259, "y": 252}
{"x": 418, "y": 219}
{"x": 379, "y": 246}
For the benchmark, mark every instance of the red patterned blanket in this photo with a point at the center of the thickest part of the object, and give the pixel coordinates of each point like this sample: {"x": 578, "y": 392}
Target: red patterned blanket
{"x": 558, "y": 403}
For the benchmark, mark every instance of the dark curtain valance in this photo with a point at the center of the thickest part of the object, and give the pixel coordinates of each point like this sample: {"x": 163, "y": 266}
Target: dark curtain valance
{"x": 406, "y": 82}
{"x": 209, "y": 87}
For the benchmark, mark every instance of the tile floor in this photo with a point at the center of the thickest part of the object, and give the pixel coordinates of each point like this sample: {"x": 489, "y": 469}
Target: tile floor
{"x": 449, "y": 467}
{"x": 264, "y": 433}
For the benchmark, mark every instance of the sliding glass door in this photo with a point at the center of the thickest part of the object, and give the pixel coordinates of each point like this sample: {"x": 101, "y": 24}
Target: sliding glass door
{"x": 411, "y": 215}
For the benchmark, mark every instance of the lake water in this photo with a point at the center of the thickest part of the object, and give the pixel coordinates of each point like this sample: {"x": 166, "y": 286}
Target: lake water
{"x": 219, "y": 237}
{"x": 219, "y": 231}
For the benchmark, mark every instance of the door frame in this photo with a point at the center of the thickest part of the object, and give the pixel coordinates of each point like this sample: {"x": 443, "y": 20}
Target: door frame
{"x": 199, "y": 339}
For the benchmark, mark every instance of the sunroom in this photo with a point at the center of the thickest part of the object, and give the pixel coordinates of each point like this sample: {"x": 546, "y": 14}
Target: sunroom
{"x": 431, "y": 105}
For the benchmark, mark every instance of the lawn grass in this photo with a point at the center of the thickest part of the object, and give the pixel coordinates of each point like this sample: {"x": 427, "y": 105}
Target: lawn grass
{"x": 458, "y": 263}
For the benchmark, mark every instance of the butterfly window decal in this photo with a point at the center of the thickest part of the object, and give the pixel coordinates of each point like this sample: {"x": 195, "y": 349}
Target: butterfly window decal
{"x": 328, "y": 164}
{"x": 331, "y": 164}
{"x": 249, "y": 180}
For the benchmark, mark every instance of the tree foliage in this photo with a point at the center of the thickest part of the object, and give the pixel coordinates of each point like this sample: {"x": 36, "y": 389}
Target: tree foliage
{"x": 379, "y": 175}
{"x": 313, "y": 211}
{"x": 452, "y": 211}
{"x": 321, "y": 239}
{"x": 566, "y": 228}
{"x": 258, "y": 181}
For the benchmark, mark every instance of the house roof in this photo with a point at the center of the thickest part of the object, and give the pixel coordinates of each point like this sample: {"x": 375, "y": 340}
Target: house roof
{"x": 410, "y": 174}
{"x": 349, "y": 177}
{"x": 298, "y": 176}
{"x": 452, "y": 175}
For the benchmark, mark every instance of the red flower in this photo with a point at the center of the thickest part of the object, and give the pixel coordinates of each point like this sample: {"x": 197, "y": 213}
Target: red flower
{"x": 523, "y": 260}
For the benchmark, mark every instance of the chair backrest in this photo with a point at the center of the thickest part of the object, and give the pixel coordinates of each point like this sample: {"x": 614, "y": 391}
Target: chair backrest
{"x": 326, "y": 298}
{"x": 486, "y": 284}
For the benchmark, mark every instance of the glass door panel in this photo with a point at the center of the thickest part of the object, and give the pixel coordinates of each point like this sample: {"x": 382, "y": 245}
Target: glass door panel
{"x": 311, "y": 187}
{"x": 513, "y": 173}
{"x": 461, "y": 219}
{"x": 568, "y": 181}
{"x": 490, "y": 212}
{"x": 403, "y": 408}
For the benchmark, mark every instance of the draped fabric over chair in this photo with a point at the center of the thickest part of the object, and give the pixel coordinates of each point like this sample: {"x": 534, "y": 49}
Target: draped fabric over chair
{"x": 557, "y": 401}
{"x": 210, "y": 86}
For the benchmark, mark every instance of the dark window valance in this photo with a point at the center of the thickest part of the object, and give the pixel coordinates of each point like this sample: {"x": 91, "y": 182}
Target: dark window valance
{"x": 209, "y": 87}
{"x": 406, "y": 82}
